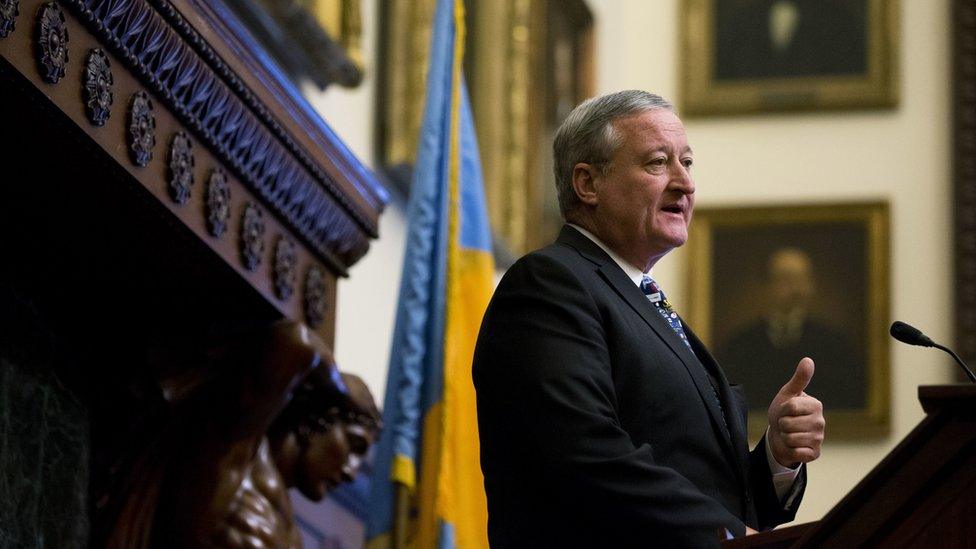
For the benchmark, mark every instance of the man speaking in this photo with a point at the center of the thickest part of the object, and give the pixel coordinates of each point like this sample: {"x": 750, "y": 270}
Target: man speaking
{"x": 604, "y": 421}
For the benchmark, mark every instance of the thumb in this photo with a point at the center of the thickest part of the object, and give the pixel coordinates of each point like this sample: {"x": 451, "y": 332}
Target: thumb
{"x": 801, "y": 378}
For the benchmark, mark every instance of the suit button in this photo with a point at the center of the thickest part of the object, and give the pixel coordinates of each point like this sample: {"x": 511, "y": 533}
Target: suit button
{"x": 748, "y": 497}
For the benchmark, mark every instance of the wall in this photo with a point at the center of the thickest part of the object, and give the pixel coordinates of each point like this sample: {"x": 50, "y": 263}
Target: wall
{"x": 900, "y": 155}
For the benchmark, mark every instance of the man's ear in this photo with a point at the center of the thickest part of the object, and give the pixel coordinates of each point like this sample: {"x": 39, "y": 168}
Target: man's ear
{"x": 584, "y": 183}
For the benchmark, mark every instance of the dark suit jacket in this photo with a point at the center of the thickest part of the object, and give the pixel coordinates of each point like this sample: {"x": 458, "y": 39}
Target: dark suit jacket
{"x": 598, "y": 425}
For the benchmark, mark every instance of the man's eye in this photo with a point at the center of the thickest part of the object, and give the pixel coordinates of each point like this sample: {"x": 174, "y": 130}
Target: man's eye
{"x": 687, "y": 162}
{"x": 659, "y": 161}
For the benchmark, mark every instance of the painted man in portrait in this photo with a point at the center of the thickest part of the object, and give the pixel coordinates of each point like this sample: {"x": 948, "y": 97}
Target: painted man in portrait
{"x": 790, "y": 329}
{"x": 790, "y": 38}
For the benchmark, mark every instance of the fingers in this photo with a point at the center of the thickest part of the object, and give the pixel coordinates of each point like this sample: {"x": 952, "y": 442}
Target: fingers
{"x": 800, "y": 424}
{"x": 801, "y": 378}
{"x": 802, "y": 405}
{"x": 805, "y": 439}
{"x": 799, "y": 455}
{"x": 796, "y": 447}
{"x": 796, "y": 429}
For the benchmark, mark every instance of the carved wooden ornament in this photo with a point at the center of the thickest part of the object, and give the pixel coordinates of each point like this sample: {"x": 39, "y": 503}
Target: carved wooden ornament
{"x": 252, "y": 236}
{"x": 218, "y": 203}
{"x": 180, "y": 168}
{"x": 9, "y": 10}
{"x": 52, "y": 42}
{"x": 285, "y": 268}
{"x": 98, "y": 87}
{"x": 142, "y": 129}
{"x": 314, "y": 297}
{"x": 183, "y": 71}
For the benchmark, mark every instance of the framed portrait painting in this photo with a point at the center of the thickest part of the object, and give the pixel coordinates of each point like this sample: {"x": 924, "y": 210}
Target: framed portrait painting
{"x": 771, "y": 285}
{"x": 742, "y": 56}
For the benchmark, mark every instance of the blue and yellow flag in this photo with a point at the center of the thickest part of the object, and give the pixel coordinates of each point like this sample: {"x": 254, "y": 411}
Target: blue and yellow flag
{"x": 429, "y": 444}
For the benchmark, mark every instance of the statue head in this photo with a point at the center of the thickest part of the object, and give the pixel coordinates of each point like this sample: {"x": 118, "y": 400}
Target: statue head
{"x": 325, "y": 431}
{"x": 361, "y": 424}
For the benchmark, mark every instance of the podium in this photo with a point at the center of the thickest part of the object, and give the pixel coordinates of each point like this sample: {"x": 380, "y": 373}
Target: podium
{"x": 922, "y": 494}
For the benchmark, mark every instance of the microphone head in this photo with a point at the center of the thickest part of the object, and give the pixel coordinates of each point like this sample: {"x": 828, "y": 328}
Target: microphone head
{"x": 909, "y": 334}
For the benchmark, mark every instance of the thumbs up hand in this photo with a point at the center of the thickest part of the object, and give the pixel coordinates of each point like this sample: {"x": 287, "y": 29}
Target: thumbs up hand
{"x": 796, "y": 421}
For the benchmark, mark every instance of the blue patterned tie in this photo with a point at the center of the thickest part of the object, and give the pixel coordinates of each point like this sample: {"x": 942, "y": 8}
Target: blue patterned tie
{"x": 661, "y": 304}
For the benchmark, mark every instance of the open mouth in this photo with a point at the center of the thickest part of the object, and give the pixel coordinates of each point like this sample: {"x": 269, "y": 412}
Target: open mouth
{"x": 674, "y": 208}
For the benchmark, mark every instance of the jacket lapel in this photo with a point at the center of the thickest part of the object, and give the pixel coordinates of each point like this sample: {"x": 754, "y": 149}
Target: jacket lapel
{"x": 630, "y": 293}
{"x": 737, "y": 428}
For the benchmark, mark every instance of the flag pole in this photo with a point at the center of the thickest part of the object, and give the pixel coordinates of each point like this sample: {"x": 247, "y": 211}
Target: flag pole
{"x": 401, "y": 517}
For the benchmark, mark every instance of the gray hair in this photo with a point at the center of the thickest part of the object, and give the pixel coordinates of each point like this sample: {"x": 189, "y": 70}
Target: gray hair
{"x": 587, "y": 135}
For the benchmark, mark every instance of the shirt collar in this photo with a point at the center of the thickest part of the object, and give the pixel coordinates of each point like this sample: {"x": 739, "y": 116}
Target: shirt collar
{"x": 632, "y": 272}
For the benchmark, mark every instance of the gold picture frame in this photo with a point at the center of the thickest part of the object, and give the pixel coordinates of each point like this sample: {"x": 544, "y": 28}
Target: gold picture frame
{"x": 748, "y": 56}
{"x": 803, "y": 280}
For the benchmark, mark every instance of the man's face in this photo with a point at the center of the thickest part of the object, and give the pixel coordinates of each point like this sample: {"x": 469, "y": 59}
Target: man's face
{"x": 645, "y": 200}
{"x": 790, "y": 280}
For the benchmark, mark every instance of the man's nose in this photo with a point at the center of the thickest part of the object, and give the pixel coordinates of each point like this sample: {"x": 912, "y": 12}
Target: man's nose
{"x": 681, "y": 180}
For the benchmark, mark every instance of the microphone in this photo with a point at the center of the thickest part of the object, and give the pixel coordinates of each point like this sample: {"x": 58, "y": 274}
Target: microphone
{"x": 910, "y": 335}
{"x": 913, "y": 336}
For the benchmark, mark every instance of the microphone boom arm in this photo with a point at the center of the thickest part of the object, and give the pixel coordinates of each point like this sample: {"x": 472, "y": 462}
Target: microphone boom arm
{"x": 969, "y": 372}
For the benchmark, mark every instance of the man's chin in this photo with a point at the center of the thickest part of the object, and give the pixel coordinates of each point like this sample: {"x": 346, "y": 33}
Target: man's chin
{"x": 677, "y": 240}
{"x": 673, "y": 234}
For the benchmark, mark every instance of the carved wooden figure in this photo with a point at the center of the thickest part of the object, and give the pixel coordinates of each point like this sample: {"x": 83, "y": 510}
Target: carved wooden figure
{"x": 179, "y": 187}
{"x": 277, "y": 415}
{"x": 313, "y": 443}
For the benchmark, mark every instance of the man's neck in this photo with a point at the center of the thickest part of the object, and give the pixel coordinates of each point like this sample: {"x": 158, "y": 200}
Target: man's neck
{"x": 616, "y": 252}
{"x": 633, "y": 272}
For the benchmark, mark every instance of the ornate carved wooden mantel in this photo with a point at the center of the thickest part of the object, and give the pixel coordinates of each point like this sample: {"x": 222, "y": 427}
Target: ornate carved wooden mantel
{"x": 172, "y": 70}
{"x": 165, "y": 190}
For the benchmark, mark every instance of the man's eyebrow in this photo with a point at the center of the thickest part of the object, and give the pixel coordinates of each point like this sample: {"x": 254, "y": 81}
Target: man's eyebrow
{"x": 667, "y": 148}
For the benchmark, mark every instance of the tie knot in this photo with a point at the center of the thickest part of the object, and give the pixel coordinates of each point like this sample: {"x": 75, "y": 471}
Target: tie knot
{"x": 648, "y": 286}
{"x": 655, "y": 294}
